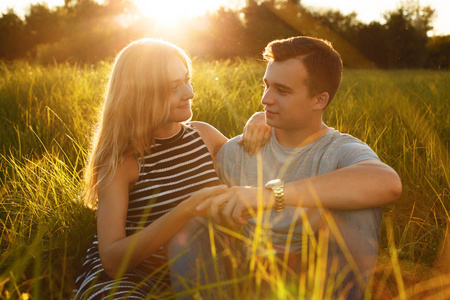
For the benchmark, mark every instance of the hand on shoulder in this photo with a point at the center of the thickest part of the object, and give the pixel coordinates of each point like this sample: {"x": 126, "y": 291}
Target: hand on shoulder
{"x": 256, "y": 133}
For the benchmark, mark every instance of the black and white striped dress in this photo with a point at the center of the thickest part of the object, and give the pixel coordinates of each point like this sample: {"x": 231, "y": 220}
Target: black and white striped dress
{"x": 176, "y": 167}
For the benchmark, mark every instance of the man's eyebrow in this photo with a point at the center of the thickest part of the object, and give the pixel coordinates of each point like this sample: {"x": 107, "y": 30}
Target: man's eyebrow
{"x": 283, "y": 87}
{"x": 280, "y": 86}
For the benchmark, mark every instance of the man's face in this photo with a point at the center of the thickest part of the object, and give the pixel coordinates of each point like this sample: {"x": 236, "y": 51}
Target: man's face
{"x": 286, "y": 101}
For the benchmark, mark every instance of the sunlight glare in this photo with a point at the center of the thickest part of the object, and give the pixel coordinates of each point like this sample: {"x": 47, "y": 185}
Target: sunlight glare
{"x": 170, "y": 11}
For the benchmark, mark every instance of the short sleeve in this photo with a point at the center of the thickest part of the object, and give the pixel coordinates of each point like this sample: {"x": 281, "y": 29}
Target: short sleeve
{"x": 226, "y": 160}
{"x": 351, "y": 151}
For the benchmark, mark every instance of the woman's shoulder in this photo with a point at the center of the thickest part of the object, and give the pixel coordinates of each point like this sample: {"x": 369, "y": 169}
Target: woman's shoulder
{"x": 212, "y": 137}
{"x": 129, "y": 168}
{"x": 205, "y": 130}
{"x": 200, "y": 126}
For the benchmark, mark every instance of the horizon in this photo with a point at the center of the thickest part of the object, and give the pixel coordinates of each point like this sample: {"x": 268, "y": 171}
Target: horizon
{"x": 371, "y": 11}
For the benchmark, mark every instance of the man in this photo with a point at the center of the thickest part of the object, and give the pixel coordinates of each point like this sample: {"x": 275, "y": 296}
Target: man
{"x": 316, "y": 179}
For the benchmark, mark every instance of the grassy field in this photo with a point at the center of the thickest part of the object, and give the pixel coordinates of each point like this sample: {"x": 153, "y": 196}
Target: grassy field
{"x": 46, "y": 116}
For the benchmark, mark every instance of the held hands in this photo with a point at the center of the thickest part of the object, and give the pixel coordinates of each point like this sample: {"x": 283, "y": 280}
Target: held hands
{"x": 237, "y": 204}
{"x": 256, "y": 133}
{"x": 190, "y": 204}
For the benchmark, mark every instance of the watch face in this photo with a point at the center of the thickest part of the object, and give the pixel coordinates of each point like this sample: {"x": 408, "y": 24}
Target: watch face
{"x": 274, "y": 183}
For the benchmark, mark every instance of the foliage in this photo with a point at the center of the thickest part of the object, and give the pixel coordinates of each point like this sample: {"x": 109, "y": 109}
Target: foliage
{"x": 12, "y": 29}
{"x": 438, "y": 49}
{"x": 399, "y": 42}
{"x": 47, "y": 115}
{"x": 261, "y": 33}
{"x": 346, "y": 26}
{"x": 43, "y": 24}
{"x": 85, "y": 31}
{"x": 222, "y": 36}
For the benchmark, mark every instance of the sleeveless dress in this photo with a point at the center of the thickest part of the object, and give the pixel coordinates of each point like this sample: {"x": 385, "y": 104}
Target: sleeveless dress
{"x": 175, "y": 168}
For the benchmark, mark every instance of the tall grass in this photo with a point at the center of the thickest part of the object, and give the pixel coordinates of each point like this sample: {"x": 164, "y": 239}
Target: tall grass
{"x": 46, "y": 115}
{"x": 42, "y": 108}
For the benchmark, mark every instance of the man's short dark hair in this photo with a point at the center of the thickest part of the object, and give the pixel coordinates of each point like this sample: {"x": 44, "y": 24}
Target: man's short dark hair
{"x": 323, "y": 63}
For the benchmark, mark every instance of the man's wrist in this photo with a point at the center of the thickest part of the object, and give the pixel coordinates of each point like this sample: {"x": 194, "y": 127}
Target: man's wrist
{"x": 276, "y": 186}
{"x": 269, "y": 199}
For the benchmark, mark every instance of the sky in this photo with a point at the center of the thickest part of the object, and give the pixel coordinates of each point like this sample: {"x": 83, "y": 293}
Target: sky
{"x": 367, "y": 10}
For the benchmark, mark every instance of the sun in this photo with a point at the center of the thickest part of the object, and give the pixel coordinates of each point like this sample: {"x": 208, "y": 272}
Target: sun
{"x": 171, "y": 11}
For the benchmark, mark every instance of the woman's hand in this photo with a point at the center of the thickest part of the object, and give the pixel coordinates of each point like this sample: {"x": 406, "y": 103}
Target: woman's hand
{"x": 237, "y": 205}
{"x": 256, "y": 133}
{"x": 190, "y": 204}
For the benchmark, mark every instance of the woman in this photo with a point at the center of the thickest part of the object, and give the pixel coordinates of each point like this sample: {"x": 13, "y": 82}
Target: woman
{"x": 148, "y": 169}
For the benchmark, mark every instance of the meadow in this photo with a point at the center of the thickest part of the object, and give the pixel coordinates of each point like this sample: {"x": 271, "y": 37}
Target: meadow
{"x": 47, "y": 115}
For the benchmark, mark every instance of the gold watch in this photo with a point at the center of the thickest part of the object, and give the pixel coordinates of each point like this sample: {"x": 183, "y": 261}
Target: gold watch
{"x": 277, "y": 186}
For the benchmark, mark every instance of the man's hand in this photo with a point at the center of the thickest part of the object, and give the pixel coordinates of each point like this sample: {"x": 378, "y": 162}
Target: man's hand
{"x": 256, "y": 133}
{"x": 237, "y": 204}
{"x": 190, "y": 204}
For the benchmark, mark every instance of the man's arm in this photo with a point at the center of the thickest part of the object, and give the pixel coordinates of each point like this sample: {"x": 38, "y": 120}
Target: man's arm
{"x": 366, "y": 184}
{"x": 256, "y": 133}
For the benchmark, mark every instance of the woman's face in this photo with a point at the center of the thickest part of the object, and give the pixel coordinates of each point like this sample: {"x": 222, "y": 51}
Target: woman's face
{"x": 181, "y": 91}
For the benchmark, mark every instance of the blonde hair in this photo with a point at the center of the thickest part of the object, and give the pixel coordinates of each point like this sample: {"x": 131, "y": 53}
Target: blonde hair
{"x": 135, "y": 105}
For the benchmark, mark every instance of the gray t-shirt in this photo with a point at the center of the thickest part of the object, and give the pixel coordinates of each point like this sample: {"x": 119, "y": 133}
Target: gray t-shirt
{"x": 330, "y": 152}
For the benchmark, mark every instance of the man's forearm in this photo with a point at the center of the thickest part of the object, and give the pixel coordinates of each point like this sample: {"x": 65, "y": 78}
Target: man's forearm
{"x": 360, "y": 186}
{"x": 363, "y": 185}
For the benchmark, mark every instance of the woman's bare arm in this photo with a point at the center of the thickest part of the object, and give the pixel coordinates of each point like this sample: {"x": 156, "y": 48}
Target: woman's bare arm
{"x": 119, "y": 253}
{"x": 256, "y": 134}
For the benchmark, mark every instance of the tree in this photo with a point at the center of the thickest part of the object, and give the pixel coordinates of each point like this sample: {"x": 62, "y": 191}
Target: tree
{"x": 401, "y": 41}
{"x": 13, "y": 36}
{"x": 438, "y": 50}
{"x": 372, "y": 42}
{"x": 88, "y": 31}
{"x": 43, "y": 24}
{"x": 263, "y": 26}
{"x": 406, "y": 43}
{"x": 223, "y": 37}
{"x": 346, "y": 26}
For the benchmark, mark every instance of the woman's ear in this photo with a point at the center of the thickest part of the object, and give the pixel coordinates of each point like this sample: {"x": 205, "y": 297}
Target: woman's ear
{"x": 321, "y": 101}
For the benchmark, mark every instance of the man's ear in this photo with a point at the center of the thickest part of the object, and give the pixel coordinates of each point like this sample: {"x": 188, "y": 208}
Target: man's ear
{"x": 321, "y": 101}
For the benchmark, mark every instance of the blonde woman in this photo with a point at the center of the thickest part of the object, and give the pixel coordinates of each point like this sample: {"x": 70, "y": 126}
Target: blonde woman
{"x": 149, "y": 170}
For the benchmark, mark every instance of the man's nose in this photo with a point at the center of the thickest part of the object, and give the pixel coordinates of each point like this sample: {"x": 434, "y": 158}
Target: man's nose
{"x": 267, "y": 98}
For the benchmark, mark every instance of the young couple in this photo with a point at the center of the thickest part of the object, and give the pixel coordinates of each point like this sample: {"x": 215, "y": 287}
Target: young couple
{"x": 153, "y": 174}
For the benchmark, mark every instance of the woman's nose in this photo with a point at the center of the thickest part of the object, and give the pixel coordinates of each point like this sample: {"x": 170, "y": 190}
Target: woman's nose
{"x": 188, "y": 91}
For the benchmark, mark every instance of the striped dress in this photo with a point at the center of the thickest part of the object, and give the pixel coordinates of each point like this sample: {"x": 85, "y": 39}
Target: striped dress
{"x": 176, "y": 167}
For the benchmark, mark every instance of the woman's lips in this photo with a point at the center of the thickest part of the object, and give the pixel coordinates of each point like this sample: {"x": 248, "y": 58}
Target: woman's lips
{"x": 188, "y": 105}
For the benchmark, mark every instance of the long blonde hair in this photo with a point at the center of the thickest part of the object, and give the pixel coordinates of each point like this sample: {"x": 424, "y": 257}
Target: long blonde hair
{"x": 135, "y": 105}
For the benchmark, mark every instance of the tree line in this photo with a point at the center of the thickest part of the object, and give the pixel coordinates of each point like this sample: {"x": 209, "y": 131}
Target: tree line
{"x": 85, "y": 31}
